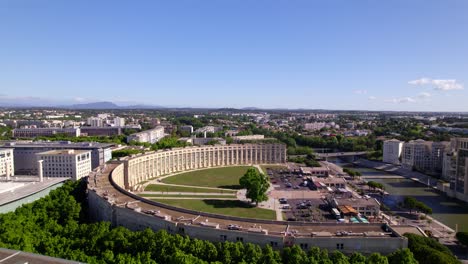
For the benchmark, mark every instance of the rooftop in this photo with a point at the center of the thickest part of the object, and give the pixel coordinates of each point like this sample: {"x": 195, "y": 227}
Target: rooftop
{"x": 71, "y": 152}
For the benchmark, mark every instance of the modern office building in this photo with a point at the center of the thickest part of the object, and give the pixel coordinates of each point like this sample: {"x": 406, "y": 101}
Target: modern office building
{"x": 75, "y": 164}
{"x": 25, "y": 153}
{"x": 38, "y": 132}
{"x": 424, "y": 156}
{"x": 148, "y": 136}
{"x": 392, "y": 151}
{"x": 7, "y": 166}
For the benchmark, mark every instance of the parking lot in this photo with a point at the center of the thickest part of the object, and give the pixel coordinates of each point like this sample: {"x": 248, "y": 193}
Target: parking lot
{"x": 302, "y": 203}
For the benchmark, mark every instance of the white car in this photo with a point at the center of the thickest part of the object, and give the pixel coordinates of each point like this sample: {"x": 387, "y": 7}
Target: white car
{"x": 234, "y": 227}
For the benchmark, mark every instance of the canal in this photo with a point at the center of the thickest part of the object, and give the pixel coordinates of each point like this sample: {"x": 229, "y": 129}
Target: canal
{"x": 446, "y": 210}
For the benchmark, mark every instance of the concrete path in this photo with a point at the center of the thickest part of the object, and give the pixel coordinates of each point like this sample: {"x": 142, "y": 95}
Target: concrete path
{"x": 271, "y": 203}
{"x": 188, "y": 198}
{"x": 188, "y": 193}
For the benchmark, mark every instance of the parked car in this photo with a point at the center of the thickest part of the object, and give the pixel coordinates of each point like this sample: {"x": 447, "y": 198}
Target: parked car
{"x": 234, "y": 227}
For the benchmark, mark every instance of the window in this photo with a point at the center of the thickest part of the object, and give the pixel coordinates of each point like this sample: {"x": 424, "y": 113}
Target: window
{"x": 339, "y": 246}
{"x": 274, "y": 244}
{"x": 223, "y": 237}
{"x": 304, "y": 245}
{"x": 239, "y": 239}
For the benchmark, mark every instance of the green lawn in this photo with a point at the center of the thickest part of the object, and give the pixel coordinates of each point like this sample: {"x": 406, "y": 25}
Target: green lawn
{"x": 168, "y": 188}
{"x": 225, "y": 207}
{"x": 276, "y": 167}
{"x": 227, "y": 177}
{"x": 182, "y": 195}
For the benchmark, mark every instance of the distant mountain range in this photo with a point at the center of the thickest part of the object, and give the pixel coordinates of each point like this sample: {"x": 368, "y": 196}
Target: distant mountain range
{"x": 84, "y": 106}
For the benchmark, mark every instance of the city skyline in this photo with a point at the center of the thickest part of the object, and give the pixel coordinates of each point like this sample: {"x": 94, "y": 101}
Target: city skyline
{"x": 399, "y": 56}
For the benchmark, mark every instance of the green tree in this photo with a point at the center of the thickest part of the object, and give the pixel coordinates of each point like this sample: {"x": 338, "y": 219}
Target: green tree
{"x": 402, "y": 256}
{"x": 256, "y": 184}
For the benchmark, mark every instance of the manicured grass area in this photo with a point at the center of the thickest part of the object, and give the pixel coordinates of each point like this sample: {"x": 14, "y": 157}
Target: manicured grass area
{"x": 182, "y": 195}
{"x": 276, "y": 167}
{"x": 169, "y": 188}
{"x": 225, "y": 207}
{"x": 227, "y": 177}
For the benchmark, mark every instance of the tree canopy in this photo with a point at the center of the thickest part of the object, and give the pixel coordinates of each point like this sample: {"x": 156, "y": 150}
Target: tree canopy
{"x": 256, "y": 184}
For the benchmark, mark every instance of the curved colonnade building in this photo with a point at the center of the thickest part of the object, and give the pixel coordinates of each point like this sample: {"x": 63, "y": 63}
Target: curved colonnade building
{"x": 143, "y": 167}
{"x": 110, "y": 200}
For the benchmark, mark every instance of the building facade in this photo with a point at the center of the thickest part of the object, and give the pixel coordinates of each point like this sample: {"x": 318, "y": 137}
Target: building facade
{"x": 148, "y": 136}
{"x": 188, "y": 129}
{"x": 457, "y": 169}
{"x": 392, "y": 151}
{"x": 7, "y": 166}
{"x": 38, "y": 132}
{"x": 75, "y": 164}
{"x": 119, "y": 121}
{"x": 150, "y": 165}
{"x": 25, "y": 153}
{"x": 95, "y": 122}
{"x": 424, "y": 156}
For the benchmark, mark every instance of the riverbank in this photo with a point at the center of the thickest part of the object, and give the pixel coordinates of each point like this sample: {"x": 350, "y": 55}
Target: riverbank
{"x": 398, "y": 170}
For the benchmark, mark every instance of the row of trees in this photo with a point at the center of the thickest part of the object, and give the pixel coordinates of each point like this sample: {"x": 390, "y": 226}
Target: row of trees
{"x": 352, "y": 172}
{"x": 428, "y": 250}
{"x": 56, "y": 226}
{"x": 375, "y": 185}
{"x": 411, "y": 204}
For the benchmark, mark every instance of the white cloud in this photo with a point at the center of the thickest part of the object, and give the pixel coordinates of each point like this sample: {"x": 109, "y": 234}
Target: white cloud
{"x": 420, "y": 81}
{"x": 79, "y": 99}
{"x": 401, "y": 100}
{"x": 372, "y": 97}
{"x": 360, "y": 91}
{"x": 446, "y": 85}
{"x": 424, "y": 95}
{"x": 439, "y": 84}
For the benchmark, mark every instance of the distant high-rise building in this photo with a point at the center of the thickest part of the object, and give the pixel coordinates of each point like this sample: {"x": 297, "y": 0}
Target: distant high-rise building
{"x": 392, "y": 151}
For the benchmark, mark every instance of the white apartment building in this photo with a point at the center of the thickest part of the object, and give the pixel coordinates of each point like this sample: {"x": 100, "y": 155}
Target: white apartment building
{"x": 75, "y": 164}
{"x": 425, "y": 156}
{"x": 149, "y": 136}
{"x": 7, "y": 167}
{"x": 95, "y": 122}
{"x": 392, "y": 151}
{"x": 119, "y": 121}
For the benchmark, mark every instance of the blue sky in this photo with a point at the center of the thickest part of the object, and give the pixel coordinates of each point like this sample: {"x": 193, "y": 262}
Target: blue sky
{"x": 375, "y": 55}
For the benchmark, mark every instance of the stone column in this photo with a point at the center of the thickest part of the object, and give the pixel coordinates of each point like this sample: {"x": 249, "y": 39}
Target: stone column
{"x": 40, "y": 170}
{"x": 7, "y": 170}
